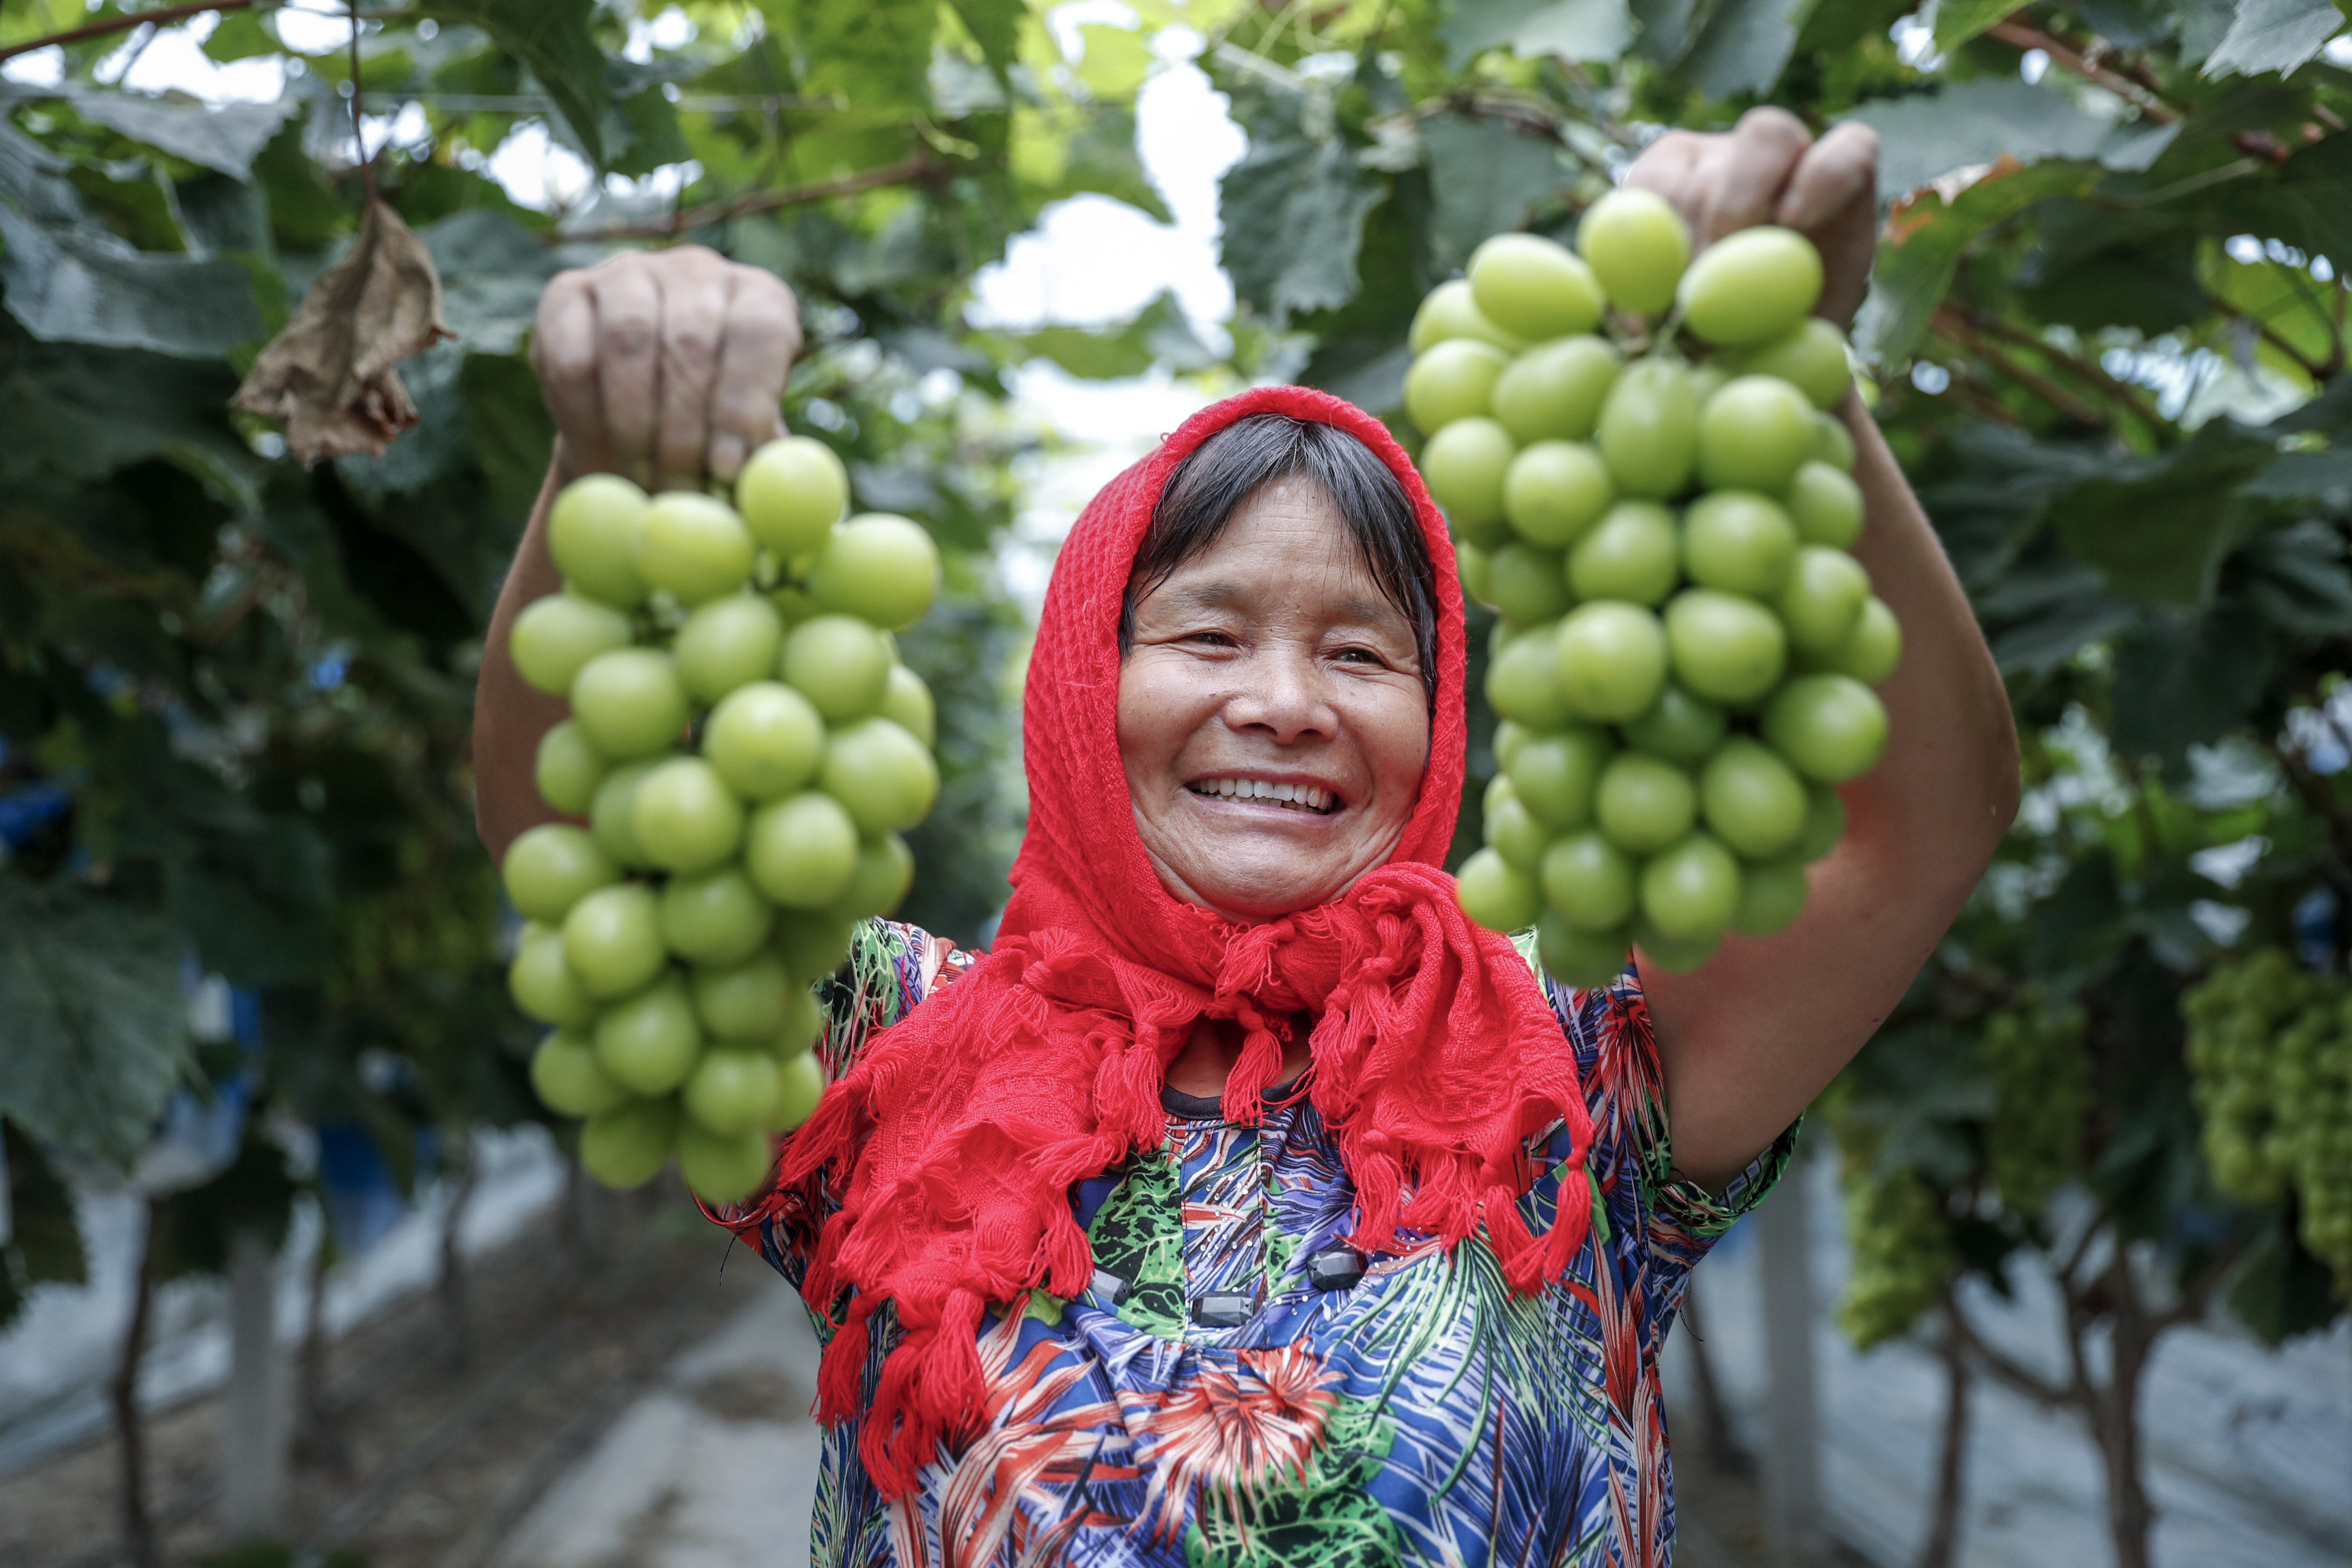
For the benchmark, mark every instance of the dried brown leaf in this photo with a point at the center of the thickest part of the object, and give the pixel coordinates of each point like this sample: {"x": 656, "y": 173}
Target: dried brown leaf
{"x": 329, "y": 377}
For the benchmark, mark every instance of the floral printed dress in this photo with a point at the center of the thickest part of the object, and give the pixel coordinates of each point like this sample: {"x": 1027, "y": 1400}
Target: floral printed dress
{"x": 1238, "y": 1386}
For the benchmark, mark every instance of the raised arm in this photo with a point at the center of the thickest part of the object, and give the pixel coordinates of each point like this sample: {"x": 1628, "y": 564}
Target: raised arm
{"x": 667, "y": 367}
{"x": 1750, "y": 1038}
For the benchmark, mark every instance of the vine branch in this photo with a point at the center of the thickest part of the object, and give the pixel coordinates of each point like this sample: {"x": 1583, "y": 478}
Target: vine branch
{"x": 123, "y": 25}
{"x": 2025, "y": 36}
{"x": 921, "y": 166}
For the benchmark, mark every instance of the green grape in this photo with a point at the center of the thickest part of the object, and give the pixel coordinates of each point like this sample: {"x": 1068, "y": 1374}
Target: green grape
{"x": 648, "y": 1042}
{"x": 1833, "y": 727}
{"x": 1465, "y": 465}
{"x": 840, "y": 664}
{"x": 1554, "y": 392}
{"x": 1612, "y": 661}
{"x": 695, "y": 546}
{"x": 1833, "y": 443}
{"x": 1753, "y": 433}
{"x": 1648, "y": 433}
{"x": 732, "y": 1090}
{"x": 612, "y": 940}
{"x": 1637, "y": 246}
{"x": 803, "y": 1085}
{"x": 542, "y": 984}
{"x": 2043, "y": 1095}
{"x": 686, "y": 818}
{"x": 1556, "y": 773}
{"x": 1452, "y": 380}
{"x": 1674, "y": 955}
{"x": 556, "y": 636}
{"x": 745, "y": 1001}
{"x": 1534, "y": 287}
{"x": 879, "y": 567}
{"x": 802, "y": 850}
{"x": 1825, "y": 504}
{"x": 1737, "y": 541}
{"x": 1874, "y": 648}
{"x": 1554, "y": 490}
{"x": 1724, "y": 648}
{"x": 1771, "y": 896}
{"x": 1509, "y": 737}
{"x": 1634, "y": 554}
{"x": 1644, "y": 804}
{"x": 1751, "y": 287}
{"x": 1903, "y": 1253}
{"x": 907, "y": 703}
{"x": 1587, "y": 959}
{"x": 625, "y": 1146}
{"x": 1821, "y": 601}
{"x": 1824, "y": 823}
{"x": 764, "y": 740}
{"x": 884, "y": 870}
{"x": 1690, "y": 890}
{"x": 548, "y": 868}
{"x": 881, "y": 775}
{"x": 728, "y": 643}
{"x": 594, "y": 531}
{"x": 1523, "y": 684}
{"x": 813, "y": 945}
{"x": 630, "y": 703}
{"x": 567, "y": 769}
{"x": 568, "y": 1081}
{"x": 792, "y": 493}
{"x": 1588, "y": 881}
{"x": 1476, "y": 569}
{"x": 612, "y": 815}
{"x": 724, "y": 1168}
{"x": 1679, "y": 727}
{"x": 1513, "y": 831}
{"x": 1811, "y": 358}
{"x": 1528, "y": 583}
{"x": 1450, "y": 310}
{"x": 714, "y": 918}
{"x": 1496, "y": 895}
{"x": 1751, "y": 799}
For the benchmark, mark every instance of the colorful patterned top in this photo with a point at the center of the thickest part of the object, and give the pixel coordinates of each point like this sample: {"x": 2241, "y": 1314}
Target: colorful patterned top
{"x": 1238, "y": 1387}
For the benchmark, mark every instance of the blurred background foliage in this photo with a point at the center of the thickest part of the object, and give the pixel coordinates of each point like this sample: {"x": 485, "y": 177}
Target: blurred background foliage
{"x": 2106, "y": 337}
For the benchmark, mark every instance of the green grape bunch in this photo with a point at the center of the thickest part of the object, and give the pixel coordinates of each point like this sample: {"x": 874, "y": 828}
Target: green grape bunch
{"x": 2042, "y": 1085}
{"x": 1902, "y": 1252}
{"x": 743, "y": 752}
{"x": 2270, "y": 1044}
{"x": 1686, "y": 649}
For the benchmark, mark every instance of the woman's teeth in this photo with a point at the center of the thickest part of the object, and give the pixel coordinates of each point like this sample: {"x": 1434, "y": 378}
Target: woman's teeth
{"x": 1307, "y": 798}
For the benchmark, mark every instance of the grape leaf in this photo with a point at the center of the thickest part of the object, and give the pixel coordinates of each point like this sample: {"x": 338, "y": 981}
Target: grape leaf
{"x": 1484, "y": 175}
{"x": 89, "y": 1005}
{"x": 1158, "y": 335}
{"x": 1570, "y": 29}
{"x": 222, "y": 136}
{"x": 552, "y": 40}
{"x": 1294, "y": 219}
{"x": 1924, "y": 239}
{"x": 2296, "y": 578}
{"x": 2272, "y": 35}
{"x": 1744, "y": 46}
{"x": 1958, "y": 21}
{"x": 2178, "y": 685}
{"x": 1982, "y": 121}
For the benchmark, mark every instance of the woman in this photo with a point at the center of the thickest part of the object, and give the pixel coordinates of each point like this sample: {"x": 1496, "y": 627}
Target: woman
{"x": 1247, "y": 1202}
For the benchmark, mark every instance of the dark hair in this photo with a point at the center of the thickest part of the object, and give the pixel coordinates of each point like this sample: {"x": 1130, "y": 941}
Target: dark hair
{"x": 1213, "y": 480}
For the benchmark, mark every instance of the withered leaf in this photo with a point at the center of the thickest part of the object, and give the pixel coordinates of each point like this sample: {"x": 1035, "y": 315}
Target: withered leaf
{"x": 329, "y": 377}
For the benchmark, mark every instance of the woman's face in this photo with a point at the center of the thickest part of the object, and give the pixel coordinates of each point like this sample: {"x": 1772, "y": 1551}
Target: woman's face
{"x": 1271, "y": 665}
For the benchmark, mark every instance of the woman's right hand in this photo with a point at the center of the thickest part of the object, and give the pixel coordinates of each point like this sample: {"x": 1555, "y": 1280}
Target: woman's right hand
{"x": 664, "y": 366}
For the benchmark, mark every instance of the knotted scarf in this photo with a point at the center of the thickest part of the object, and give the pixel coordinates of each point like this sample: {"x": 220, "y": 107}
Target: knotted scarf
{"x": 952, "y": 1144}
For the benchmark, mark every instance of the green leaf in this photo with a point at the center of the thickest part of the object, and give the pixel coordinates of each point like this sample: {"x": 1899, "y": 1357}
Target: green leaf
{"x": 1293, "y": 220}
{"x": 1743, "y": 46}
{"x": 2178, "y": 685}
{"x": 2296, "y": 578}
{"x": 2272, "y": 35}
{"x": 42, "y": 1245}
{"x": 493, "y": 271}
{"x": 1158, "y": 336}
{"x": 2323, "y": 477}
{"x": 1958, "y": 21}
{"x": 2156, "y": 528}
{"x": 91, "y": 1008}
{"x": 222, "y": 136}
{"x": 1484, "y": 176}
{"x": 1570, "y": 30}
{"x": 995, "y": 27}
{"x": 2310, "y": 204}
{"x": 1100, "y": 156}
{"x": 195, "y": 1228}
{"x": 554, "y": 40}
{"x": 1923, "y": 245}
{"x": 1983, "y": 120}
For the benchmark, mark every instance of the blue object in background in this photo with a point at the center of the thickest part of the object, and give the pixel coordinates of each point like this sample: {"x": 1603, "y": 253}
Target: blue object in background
{"x": 362, "y": 1200}
{"x": 2314, "y": 928}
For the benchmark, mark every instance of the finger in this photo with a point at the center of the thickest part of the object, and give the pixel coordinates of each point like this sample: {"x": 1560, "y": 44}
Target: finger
{"x": 1666, "y": 168}
{"x": 693, "y": 321}
{"x": 763, "y": 333}
{"x": 563, "y": 353}
{"x": 1833, "y": 170}
{"x": 628, "y": 370}
{"x": 1742, "y": 182}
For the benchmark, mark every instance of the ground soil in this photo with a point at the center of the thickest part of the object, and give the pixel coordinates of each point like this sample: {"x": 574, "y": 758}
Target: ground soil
{"x": 438, "y": 1453}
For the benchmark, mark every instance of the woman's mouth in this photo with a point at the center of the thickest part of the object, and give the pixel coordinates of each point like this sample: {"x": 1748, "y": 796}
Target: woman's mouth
{"x": 1306, "y": 798}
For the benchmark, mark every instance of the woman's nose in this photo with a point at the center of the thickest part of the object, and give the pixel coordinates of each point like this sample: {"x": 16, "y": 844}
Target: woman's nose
{"x": 1285, "y": 695}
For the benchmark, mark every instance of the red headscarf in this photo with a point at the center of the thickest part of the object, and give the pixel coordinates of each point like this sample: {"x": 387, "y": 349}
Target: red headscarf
{"x": 954, "y": 1140}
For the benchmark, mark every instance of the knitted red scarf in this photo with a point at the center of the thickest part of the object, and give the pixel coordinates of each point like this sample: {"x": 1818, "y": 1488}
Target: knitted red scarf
{"x": 954, "y": 1140}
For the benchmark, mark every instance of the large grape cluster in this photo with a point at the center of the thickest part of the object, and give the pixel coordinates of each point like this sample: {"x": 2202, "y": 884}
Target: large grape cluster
{"x": 1902, "y": 1255}
{"x": 2270, "y": 1045}
{"x": 2041, "y": 1091}
{"x": 1685, "y": 651}
{"x": 745, "y": 749}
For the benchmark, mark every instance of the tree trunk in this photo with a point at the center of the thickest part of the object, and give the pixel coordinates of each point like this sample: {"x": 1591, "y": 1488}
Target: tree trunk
{"x": 138, "y": 1522}
{"x": 2115, "y": 1412}
{"x": 320, "y": 1440}
{"x": 1794, "y": 1527}
{"x": 1941, "y": 1549}
{"x": 456, "y": 1325}
{"x": 252, "y": 1412}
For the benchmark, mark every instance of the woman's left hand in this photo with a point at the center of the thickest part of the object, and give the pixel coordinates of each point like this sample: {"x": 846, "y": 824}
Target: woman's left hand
{"x": 1769, "y": 169}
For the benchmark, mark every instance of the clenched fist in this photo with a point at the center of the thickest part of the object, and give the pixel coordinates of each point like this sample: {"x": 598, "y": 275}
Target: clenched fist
{"x": 664, "y": 366}
{"x": 1769, "y": 169}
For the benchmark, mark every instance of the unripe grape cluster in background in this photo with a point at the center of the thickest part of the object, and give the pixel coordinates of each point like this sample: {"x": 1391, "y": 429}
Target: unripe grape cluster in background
{"x": 2270, "y": 1045}
{"x": 1644, "y": 481}
{"x": 744, "y": 749}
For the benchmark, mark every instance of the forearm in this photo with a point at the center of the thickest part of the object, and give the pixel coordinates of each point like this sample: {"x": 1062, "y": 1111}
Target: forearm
{"x": 1932, "y": 811}
{"x": 510, "y": 717}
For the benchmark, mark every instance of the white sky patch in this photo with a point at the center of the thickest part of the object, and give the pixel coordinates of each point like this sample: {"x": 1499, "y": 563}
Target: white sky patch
{"x": 536, "y": 173}
{"x": 174, "y": 61}
{"x": 311, "y": 32}
{"x": 673, "y": 29}
{"x": 42, "y": 67}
